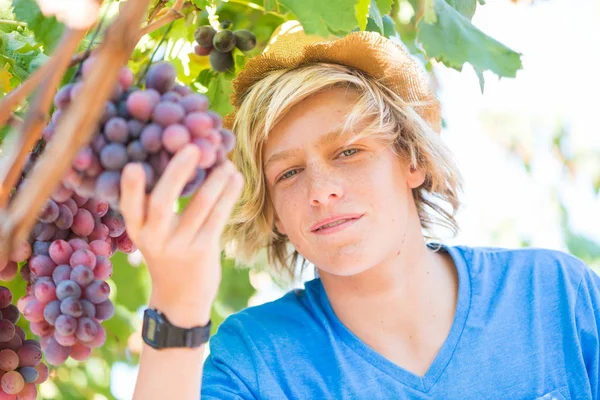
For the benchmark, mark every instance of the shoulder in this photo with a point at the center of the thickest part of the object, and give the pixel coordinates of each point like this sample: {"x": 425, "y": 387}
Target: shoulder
{"x": 262, "y": 323}
{"x": 526, "y": 260}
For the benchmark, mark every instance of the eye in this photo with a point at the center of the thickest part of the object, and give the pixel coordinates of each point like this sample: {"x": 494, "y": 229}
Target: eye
{"x": 349, "y": 152}
{"x": 288, "y": 174}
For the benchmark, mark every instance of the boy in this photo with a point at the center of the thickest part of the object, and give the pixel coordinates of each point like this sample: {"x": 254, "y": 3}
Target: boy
{"x": 339, "y": 147}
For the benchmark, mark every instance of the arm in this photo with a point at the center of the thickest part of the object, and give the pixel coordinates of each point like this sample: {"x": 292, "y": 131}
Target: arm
{"x": 183, "y": 256}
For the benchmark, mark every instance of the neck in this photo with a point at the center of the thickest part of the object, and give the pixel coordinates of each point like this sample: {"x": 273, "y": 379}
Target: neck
{"x": 403, "y": 291}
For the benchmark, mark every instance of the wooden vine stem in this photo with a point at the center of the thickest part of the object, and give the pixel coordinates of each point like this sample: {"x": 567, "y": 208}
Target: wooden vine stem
{"x": 75, "y": 127}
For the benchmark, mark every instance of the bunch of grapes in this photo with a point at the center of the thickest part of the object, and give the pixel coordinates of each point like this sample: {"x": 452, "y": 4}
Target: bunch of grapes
{"x": 145, "y": 126}
{"x": 21, "y": 366}
{"x": 218, "y": 45}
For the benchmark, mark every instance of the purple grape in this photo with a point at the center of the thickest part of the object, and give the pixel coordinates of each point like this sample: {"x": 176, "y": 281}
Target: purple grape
{"x": 97, "y": 208}
{"x": 82, "y": 275}
{"x": 60, "y": 252}
{"x": 151, "y": 138}
{"x": 41, "y": 248}
{"x": 41, "y": 265}
{"x": 29, "y": 374}
{"x": 61, "y": 194}
{"x": 182, "y": 90}
{"x": 100, "y": 231}
{"x": 175, "y": 137}
{"x": 136, "y": 151}
{"x": 44, "y": 291}
{"x": 65, "y": 217}
{"x": 150, "y": 177}
{"x": 228, "y": 139}
{"x": 83, "y": 159}
{"x": 104, "y": 267}
{"x": 108, "y": 185}
{"x": 49, "y": 212}
{"x": 208, "y": 152}
{"x": 65, "y": 324}
{"x": 171, "y": 96}
{"x": 116, "y": 130}
{"x": 192, "y": 186}
{"x": 113, "y": 156}
{"x": 105, "y": 310}
{"x": 159, "y": 161}
{"x": 194, "y": 102}
{"x": 52, "y": 311}
{"x": 87, "y": 329}
{"x": 61, "y": 273}
{"x": 115, "y": 223}
{"x": 97, "y": 291}
{"x": 140, "y": 104}
{"x": 110, "y": 111}
{"x": 83, "y": 222}
{"x": 167, "y": 113}
{"x": 66, "y": 289}
{"x": 55, "y": 353}
{"x": 83, "y": 257}
{"x": 98, "y": 143}
{"x": 71, "y": 306}
{"x": 161, "y": 77}
{"x": 43, "y": 232}
{"x": 135, "y": 128}
{"x": 89, "y": 308}
{"x": 62, "y": 99}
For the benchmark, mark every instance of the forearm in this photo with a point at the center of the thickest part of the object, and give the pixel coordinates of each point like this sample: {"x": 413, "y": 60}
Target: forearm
{"x": 172, "y": 373}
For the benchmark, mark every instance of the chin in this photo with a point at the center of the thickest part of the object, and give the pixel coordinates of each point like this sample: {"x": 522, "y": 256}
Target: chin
{"x": 344, "y": 264}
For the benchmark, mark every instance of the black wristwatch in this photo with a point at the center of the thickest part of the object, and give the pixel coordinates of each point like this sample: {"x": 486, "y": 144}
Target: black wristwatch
{"x": 159, "y": 333}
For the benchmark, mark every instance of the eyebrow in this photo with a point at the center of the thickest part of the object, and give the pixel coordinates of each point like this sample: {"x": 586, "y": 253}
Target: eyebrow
{"x": 325, "y": 140}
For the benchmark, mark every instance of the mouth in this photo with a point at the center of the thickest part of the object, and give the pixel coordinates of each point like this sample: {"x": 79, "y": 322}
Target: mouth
{"x": 335, "y": 223}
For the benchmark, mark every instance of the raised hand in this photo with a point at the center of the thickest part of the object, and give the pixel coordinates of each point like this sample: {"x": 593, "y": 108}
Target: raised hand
{"x": 76, "y": 14}
{"x": 183, "y": 252}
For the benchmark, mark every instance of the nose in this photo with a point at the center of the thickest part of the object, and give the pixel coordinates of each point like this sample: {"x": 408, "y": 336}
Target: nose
{"x": 324, "y": 187}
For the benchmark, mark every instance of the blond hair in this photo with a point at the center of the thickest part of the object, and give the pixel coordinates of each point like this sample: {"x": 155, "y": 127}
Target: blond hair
{"x": 251, "y": 227}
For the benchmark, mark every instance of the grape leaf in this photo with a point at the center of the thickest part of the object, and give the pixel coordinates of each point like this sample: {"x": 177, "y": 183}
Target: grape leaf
{"x": 384, "y": 6}
{"x": 46, "y": 30}
{"x": 324, "y": 17}
{"x": 375, "y": 15}
{"x": 219, "y": 90}
{"x": 465, "y": 7}
{"x": 454, "y": 40}
{"x": 21, "y": 52}
{"x": 362, "y": 11}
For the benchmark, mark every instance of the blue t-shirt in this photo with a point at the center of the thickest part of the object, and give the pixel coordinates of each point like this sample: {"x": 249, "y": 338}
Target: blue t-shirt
{"x": 526, "y": 327}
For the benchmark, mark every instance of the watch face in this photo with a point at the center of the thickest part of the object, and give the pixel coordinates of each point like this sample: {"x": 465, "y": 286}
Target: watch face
{"x": 151, "y": 330}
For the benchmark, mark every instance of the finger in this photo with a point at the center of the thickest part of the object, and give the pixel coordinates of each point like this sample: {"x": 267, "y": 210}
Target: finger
{"x": 195, "y": 213}
{"x": 168, "y": 189}
{"x": 218, "y": 216}
{"x": 133, "y": 197}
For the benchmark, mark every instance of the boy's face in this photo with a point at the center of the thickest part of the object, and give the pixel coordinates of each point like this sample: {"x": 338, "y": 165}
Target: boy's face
{"x": 317, "y": 178}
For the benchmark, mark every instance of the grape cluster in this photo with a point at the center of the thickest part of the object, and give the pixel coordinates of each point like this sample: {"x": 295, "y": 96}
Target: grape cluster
{"x": 21, "y": 366}
{"x": 218, "y": 45}
{"x": 145, "y": 126}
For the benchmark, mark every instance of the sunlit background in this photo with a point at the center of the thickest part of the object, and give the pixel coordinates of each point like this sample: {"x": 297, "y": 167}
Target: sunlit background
{"x": 528, "y": 147}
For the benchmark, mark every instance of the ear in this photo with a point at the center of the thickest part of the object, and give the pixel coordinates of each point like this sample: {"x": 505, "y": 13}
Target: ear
{"x": 415, "y": 176}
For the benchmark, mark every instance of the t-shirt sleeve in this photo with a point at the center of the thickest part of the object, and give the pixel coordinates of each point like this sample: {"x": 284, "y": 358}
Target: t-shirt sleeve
{"x": 587, "y": 314}
{"x": 229, "y": 372}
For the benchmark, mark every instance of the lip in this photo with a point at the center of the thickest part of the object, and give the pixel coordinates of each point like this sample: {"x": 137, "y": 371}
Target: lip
{"x": 351, "y": 217}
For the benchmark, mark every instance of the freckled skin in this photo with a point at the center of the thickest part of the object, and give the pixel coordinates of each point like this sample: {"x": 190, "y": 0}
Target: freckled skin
{"x": 323, "y": 181}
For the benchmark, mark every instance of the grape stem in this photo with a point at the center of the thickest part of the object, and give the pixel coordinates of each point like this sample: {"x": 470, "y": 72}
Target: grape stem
{"x": 171, "y": 15}
{"x": 36, "y": 117}
{"x": 75, "y": 127}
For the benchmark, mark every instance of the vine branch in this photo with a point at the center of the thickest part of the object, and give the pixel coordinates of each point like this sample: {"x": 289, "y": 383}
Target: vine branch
{"x": 74, "y": 129}
{"x": 37, "y": 115}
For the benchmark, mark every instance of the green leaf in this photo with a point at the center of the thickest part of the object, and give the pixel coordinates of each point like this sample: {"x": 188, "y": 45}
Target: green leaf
{"x": 465, "y": 7}
{"x": 200, "y": 3}
{"x": 324, "y": 17}
{"x": 375, "y": 14}
{"x": 430, "y": 16}
{"x": 384, "y": 6}
{"x": 479, "y": 73}
{"x": 389, "y": 27}
{"x": 271, "y": 5}
{"x": 47, "y": 31}
{"x": 454, "y": 41}
{"x": 21, "y": 52}
{"x": 362, "y": 11}
{"x": 219, "y": 90}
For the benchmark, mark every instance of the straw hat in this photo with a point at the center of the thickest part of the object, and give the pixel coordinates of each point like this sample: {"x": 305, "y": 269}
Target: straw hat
{"x": 383, "y": 59}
